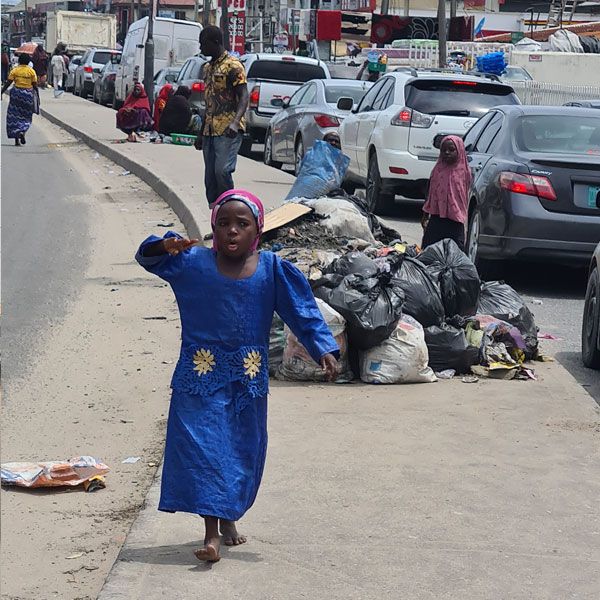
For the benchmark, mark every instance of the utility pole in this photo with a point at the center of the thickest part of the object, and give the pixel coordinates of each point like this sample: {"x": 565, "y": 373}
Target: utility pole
{"x": 453, "y": 9}
{"x": 407, "y": 8}
{"x": 225, "y": 24}
{"x": 442, "y": 35}
{"x": 149, "y": 56}
{"x": 196, "y": 10}
{"x": 206, "y": 12}
{"x": 385, "y": 7}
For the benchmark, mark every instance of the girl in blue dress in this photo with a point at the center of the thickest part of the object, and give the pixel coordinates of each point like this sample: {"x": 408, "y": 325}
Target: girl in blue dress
{"x": 217, "y": 429}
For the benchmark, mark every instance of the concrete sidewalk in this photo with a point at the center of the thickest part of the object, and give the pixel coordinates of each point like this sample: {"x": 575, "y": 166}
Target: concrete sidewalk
{"x": 434, "y": 491}
{"x": 176, "y": 173}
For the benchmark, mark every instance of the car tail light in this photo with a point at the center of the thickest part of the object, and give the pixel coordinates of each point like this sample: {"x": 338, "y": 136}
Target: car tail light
{"x": 528, "y": 185}
{"x": 325, "y": 121}
{"x": 287, "y": 58}
{"x": 471, "y": 83}
{"x": 198, "y": 86}
{"x": 398, "y": 170}
{"x": 254, "y": 97}
{"x": 408, "y": 117}
{"x": 88, "y": 69}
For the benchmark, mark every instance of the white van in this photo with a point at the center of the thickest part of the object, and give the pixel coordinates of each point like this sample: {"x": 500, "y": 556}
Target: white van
{"x": 174, "y": 42}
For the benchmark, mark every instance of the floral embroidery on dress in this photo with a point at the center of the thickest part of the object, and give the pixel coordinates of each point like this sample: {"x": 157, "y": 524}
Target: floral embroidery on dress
{"x": 252, "y": 363}
{"x": 203, "y": 370}
{"x": 204, "y": 360}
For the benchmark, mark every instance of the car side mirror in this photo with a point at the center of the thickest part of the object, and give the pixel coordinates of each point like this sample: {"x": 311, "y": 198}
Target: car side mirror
{"x": 345, "y": 104}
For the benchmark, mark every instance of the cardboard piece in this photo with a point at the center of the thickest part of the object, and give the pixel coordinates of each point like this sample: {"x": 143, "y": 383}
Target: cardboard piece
{"x": 284, "y": 214}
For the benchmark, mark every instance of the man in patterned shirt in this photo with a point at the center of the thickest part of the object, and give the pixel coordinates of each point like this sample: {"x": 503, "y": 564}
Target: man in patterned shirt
{"x": 226, "y": 97}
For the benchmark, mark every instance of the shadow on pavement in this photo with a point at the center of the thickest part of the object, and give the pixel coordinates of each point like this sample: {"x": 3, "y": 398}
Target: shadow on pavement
{"x": 183, "y": 554}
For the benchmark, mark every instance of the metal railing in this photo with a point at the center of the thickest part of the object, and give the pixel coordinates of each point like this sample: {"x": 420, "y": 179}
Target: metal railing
{"x": 553, "y": 94}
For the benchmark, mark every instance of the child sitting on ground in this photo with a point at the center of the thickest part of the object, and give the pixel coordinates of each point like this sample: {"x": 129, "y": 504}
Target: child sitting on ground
{"x": 217, "y": 429}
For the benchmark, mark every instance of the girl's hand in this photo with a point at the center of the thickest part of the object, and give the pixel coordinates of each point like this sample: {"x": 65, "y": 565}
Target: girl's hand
{"x": 176, "y": 245}
{"x": 330, "y": 365}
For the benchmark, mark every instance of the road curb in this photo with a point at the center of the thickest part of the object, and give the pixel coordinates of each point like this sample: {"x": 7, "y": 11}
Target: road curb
{"x": 146, "y": 175}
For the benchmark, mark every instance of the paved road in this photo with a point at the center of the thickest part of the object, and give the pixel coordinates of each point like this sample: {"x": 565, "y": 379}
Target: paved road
{"x": 44, "y": 244}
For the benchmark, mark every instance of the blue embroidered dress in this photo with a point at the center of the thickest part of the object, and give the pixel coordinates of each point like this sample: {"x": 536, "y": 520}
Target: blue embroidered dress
{"x": 217, "y": 430}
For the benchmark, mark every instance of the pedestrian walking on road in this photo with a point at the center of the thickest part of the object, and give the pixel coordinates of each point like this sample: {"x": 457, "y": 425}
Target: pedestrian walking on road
{"x": 5, "y": 61}
{"x": 217, "y": 429}
{"x": 134, "y": 115}
{"x": 445, "y": 211}
{"x": 226, "y": 97}
{"x": 23, "y": 97}
{"x": 59, "y": 70}
{"x": 39, "y": 59}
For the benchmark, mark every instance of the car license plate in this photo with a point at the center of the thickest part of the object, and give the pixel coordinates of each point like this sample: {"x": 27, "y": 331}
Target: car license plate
{"x": 593, "y": 198}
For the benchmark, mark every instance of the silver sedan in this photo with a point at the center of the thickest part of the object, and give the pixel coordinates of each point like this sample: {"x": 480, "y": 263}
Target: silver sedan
{"x": 310, "y": 114}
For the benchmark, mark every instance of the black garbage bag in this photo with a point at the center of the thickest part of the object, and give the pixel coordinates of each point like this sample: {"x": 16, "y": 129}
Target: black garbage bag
{"x": 357, "y": 263}
{"x": 501, "y": 301}
{"x": 423, "y": 300}
{"x": 371, "y": 305}
{"x": 448, "y": 349}
{"x": 455, "y": 274}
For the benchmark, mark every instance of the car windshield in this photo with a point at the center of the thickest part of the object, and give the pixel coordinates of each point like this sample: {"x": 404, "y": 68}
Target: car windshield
{"x": 457, "y": 98}
{"x": 516, "y": 74}
{"x": 101, "y": 57}
{"x": 334, "y": 92}
{"x": 558, "y": 134}
{"x": 285, "y": 70}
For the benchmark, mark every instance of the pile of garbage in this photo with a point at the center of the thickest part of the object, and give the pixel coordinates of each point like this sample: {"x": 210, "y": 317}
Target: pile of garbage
{"x": 399, "y": 315}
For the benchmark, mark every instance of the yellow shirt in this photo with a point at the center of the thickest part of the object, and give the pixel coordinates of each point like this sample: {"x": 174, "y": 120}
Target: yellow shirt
{"x": 221, "y": 77}
{"x": 23, "y": 76}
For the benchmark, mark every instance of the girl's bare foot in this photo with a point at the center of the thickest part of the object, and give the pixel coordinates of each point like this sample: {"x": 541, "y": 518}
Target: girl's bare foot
{"x": 210, "y": 551}
{"x": 230, "y": 534}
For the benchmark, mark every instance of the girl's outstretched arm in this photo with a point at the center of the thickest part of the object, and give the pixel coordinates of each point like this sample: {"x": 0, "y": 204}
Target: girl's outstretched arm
{"x": 296, "y": 305}
{"x": 166, "y": 256}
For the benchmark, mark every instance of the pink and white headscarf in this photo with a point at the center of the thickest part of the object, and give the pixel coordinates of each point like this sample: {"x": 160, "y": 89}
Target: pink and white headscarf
{"x": 247, "y": 198}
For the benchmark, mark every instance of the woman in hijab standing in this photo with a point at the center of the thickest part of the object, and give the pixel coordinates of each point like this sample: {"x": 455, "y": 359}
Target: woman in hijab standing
{"x": 134, "y": 115}
{"x": 21, "y": 106}
{"x": 446, "y": 208}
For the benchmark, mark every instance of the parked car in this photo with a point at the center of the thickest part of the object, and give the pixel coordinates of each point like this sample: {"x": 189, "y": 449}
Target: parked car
{"x": 584, "y": 103}
{"x": 104, "y": 86}
{"x": 590, "y": 330}
{"x": 191, "y": 76}
{"x": 536, "y": 184}
{"x": 166, "y": 75}
{"x": 273, "y": 77}
{"x": 392, "y": 137}
{"x": 89, "y": 69}
{"x": 310, "y": 114}
{"x": 73, "y": 64}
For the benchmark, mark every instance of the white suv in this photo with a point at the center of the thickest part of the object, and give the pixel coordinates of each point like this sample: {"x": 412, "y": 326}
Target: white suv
{"x": 393, "y": 135}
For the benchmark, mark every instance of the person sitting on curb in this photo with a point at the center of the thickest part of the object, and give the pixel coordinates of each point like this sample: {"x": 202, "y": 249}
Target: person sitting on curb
{"x": 134, "y": 115}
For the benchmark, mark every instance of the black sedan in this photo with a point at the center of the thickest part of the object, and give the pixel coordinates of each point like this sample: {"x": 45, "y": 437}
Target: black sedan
{"x": 536, "y": 185}
{"x": 104, "y": 86}
{"x": 590, "y": 331}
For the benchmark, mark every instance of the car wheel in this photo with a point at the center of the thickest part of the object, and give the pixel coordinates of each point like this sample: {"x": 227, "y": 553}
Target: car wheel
{"x": 590, "y": 352}
{"x": 83, "y": 92}
{"x": 268, "y": 153}
{"x": 246, "y": 147}
{"x": 95, "y": 96}
{"x": 379, "y": 202}
{"x": 298, "y": 156}
{"x": 488, "y": 269}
